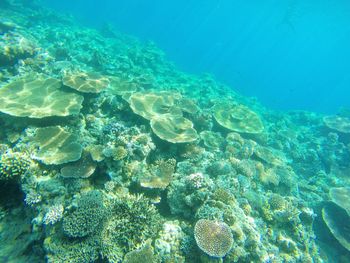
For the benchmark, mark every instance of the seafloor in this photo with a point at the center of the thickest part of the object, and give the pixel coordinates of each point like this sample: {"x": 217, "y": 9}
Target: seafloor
{"x": 109, "y": 153}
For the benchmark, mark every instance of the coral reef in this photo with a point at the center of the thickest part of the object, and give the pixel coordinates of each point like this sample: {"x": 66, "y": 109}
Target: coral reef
{"x": 109, "y": 153}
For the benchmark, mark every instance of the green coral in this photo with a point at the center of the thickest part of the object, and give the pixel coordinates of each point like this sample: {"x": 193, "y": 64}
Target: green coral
{"x": 133, "y": 220}
{"x": 87, "y": 217}
{"x": 61, "y": 249}
{"x": 277, "y": 202}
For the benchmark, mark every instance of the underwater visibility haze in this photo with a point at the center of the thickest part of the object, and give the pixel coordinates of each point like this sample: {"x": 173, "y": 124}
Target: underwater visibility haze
{"x": 290, "y": 54}
{"x": 174, "y": 131}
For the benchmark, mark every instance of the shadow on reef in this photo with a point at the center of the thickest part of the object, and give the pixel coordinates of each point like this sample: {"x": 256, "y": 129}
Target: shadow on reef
{"x": 331, "y": 249}
{"x": 18, "y": 242}
{"x": 11, "y": 195}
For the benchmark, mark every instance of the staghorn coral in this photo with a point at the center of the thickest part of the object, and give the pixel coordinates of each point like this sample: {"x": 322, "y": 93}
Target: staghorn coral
{"x": 213, "y": 237}
{"x": 60, "y": 249}
{"x": 246, "y": 194}
{"x": 87, "y": 217}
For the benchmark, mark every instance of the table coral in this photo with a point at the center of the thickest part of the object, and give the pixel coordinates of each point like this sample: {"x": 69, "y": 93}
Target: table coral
{"x": 213, "y": 237}
{"x": 237, "y": 118}
{"x": 56, "y": 146}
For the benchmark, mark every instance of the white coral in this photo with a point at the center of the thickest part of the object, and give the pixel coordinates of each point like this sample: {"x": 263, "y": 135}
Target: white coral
{"x": 54, "y": 215}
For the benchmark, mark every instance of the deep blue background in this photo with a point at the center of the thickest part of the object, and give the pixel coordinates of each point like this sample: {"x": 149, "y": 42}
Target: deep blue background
{"x": 291, "y": 54}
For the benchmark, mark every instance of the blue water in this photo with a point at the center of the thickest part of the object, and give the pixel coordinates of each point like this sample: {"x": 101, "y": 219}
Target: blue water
{"x": 290, "y": 54}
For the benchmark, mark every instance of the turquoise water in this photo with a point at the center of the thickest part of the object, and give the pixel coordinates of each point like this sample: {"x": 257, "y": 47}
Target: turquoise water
{"x": 290, "y": 54}
{"x": 175, "y": 132}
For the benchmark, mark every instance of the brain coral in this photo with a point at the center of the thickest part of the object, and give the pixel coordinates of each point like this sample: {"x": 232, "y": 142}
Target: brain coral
{"x": 237, "y": 118}
{"x": 213, "y": 237}
{"x": 38, "y": 97}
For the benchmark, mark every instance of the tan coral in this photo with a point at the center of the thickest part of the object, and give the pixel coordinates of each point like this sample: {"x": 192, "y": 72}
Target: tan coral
{"x": 158, "y": 175}
{"x": 213, "y": 237}
{"x": 56, "y": 146}
{"x": 174, "y": 129}
{"x": 86, "y": 82}
{"x": 151, "y": 104}
{"x": 237, "y": 118}
{"x": 37, "y": 96}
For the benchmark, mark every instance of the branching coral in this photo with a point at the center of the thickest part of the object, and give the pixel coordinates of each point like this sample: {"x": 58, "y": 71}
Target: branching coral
{"x": 87, "y": 217}
{"x": 13, "y": 165}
